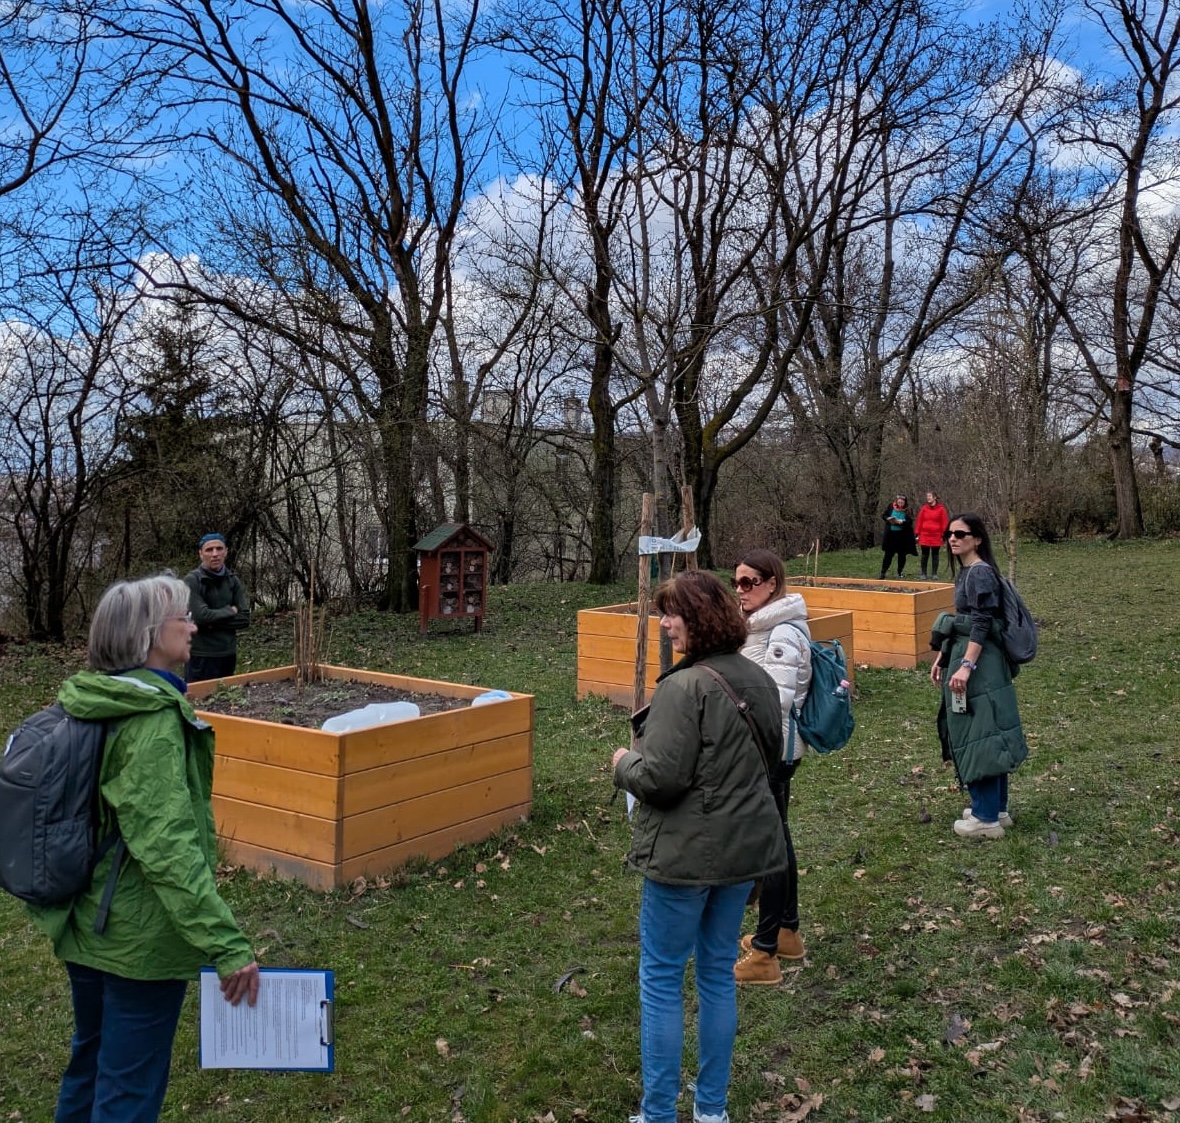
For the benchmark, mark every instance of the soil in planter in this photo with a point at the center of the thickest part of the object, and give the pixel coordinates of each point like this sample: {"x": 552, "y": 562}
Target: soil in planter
{"x": 286, "y": 704}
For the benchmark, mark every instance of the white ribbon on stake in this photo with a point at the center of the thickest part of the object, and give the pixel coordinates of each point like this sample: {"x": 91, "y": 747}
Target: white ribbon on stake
{"x": 677, "y": 544}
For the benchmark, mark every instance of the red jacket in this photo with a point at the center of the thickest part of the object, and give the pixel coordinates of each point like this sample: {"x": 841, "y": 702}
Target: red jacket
{"x": 931, "y": 524}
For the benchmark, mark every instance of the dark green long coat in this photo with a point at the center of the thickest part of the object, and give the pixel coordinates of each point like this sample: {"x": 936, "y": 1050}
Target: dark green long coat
{"x": 988, "y": 739}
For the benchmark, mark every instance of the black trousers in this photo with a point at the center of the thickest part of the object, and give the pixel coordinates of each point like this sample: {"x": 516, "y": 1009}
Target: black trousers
{"x": 892, "y": 552}
{"x": 778, "y": 903}
{"x": 930, "y": 557}
{"x": 200, "y": 668}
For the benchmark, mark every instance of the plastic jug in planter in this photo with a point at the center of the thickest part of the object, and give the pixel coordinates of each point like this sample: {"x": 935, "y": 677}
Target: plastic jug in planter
{"x": 375, "y": 713}
{"x": 490, "y": 696}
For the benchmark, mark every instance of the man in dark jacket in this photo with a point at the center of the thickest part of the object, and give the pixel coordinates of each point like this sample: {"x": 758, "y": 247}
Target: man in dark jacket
{"x": 220, "y": 609}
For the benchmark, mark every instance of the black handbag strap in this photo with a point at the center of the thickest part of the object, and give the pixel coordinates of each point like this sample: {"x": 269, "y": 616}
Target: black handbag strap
{"x": 743, "y": 708}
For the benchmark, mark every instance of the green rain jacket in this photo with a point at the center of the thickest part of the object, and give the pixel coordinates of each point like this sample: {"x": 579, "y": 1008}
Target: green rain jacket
{"x": 167, "y": 919}
{"x": 988, "y": 739}
{"x": 706, "y": 814}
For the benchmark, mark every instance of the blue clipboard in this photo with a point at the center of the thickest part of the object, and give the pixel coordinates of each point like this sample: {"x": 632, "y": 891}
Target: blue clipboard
{"x": 290, "y": 1029}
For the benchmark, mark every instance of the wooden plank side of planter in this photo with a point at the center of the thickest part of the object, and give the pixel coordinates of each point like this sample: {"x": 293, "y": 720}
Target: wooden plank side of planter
{"x": 317, "y": 875}
{"x": 404, "y": 682}
{"x": 606, "y": 652}
{"x": 436, "y": 844}
{"x": 418, "y": 787}
{"x": 391, "y": 784}
{"x": 266, "y": 742}
{"x": 606, "y": 648}
{"x": 277, "y": 829}
{"x": 606, "y": 677}
{"x": 365, "y": 749}
{"x": 250, "y": 781}
{"x": 892, "y": 628}
{"x": 271, "y": 674}
{"x": 615, "y": 620}
{"x": 457, "y": 804}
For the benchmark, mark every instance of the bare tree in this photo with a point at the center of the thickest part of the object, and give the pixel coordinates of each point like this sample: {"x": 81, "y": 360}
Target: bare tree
{"x": 71, "y": 93}
{"x": 932, "y": 132}
{"x": 1116, "y": 245}
{"x": 596, "y": 65}
{"x": 60, "y": 428}
{"x": 345, "y": 142}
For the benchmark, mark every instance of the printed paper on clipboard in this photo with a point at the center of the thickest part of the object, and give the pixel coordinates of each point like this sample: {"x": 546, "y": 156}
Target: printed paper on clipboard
{"x": 290, "y": 1027}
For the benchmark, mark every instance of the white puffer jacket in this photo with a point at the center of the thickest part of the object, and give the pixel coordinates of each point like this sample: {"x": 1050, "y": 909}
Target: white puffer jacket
{"x": 782, "y": 650}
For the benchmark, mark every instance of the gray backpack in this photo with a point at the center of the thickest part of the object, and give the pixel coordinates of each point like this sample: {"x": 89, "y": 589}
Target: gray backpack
{"x": 49, "y": 811}
{"x": 1020, "y": 629}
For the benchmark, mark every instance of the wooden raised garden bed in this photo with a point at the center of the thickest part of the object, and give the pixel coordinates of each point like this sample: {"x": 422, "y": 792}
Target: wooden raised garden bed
{"x": 606, "y": 647}
{"x": 327, "y": 807}
{"x": 891, "y": 619}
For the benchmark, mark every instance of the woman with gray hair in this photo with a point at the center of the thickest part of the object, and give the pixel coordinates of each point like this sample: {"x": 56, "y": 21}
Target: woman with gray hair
{"x": 166, "y": 919}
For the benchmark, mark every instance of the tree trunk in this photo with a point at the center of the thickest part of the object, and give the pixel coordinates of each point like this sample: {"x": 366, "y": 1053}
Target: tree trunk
{"x": 1122, "y": 463}
{"x": 603, "y": 568}
{"x": 502, "y": 558}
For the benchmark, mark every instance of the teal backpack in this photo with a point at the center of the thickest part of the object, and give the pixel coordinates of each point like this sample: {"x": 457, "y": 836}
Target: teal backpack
{"x": 825, "y": 721}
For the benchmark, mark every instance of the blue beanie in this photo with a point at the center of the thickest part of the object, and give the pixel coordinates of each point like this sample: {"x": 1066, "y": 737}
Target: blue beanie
{"x": 211, "y": 538}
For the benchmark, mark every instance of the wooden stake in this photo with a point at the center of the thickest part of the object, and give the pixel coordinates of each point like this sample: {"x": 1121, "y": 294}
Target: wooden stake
{"x": 688, "y": 521}
{"x": 642, "y": 607}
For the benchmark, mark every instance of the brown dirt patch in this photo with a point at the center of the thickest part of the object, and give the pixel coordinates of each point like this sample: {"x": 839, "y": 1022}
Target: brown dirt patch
{"x": 286, "y": 704}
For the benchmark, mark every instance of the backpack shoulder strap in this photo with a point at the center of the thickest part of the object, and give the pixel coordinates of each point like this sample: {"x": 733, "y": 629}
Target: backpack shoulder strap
{"x": 743, "y": 709}
{"x": 114, "y": 840}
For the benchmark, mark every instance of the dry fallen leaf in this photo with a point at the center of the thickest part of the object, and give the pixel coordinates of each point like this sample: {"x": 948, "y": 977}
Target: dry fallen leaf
{"x": 440, "y": 1044}
{"x": 956, "y": 1029}
{"x": 877, "y": 1055}
{"x": 924, "y": 1102}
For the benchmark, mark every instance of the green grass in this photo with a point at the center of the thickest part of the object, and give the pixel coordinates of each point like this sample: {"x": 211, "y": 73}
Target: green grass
{"x": 1056, "y": 949}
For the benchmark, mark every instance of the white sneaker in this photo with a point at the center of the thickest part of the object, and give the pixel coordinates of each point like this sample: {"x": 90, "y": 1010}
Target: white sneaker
{"x": 1005, "y": 818}
{"x": 977, "y": 828}
{"x": 697, "y": 1117}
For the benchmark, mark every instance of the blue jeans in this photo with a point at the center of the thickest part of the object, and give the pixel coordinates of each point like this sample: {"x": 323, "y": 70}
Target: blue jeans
{"x": 122, "y": 1047}
{"x": 675, "y": 921}
{"x": 989, "y": 796}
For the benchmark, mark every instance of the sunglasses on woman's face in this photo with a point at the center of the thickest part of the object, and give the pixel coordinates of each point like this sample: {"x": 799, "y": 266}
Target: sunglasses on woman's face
{"x": 959, "y": 533}
{"x": 745, "y": 584}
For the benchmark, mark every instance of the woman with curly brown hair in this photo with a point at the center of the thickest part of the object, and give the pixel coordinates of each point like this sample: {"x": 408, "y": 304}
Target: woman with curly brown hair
{"x": 706, "y": 827}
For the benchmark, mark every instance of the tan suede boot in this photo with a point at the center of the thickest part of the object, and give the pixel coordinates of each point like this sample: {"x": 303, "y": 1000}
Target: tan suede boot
{"x": 790, "y": 944}
{"x": 759, "y": 968}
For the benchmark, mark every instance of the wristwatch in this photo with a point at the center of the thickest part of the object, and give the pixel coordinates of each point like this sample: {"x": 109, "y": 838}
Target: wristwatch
{"x": 968, "y": 664}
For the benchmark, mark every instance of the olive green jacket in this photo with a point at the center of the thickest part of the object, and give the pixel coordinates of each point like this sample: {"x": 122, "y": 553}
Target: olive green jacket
{"x": 706, "y": 815}
{"x": 988, "y": 739}
{"x": 167, "y": 919}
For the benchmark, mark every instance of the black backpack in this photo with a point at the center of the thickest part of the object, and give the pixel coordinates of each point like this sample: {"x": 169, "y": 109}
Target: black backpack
{"x": 49, "y": 811}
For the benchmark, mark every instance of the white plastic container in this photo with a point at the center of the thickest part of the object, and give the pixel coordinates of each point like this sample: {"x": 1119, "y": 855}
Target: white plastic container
{"x": 375, "y": 713}
{"x": 490, "y": 696}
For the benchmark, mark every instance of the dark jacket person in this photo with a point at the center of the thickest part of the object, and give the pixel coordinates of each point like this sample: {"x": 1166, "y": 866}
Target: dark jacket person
{"x": 220, "y": 608}
{"x": 706, "y": 826}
